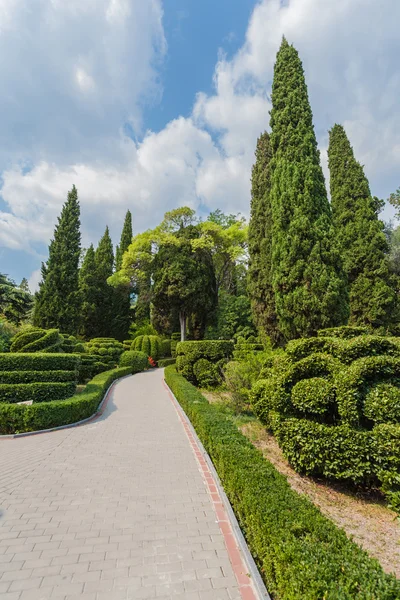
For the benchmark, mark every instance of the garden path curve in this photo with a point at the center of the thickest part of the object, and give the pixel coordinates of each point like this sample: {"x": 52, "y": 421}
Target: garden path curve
{"x": 114, "y": 509}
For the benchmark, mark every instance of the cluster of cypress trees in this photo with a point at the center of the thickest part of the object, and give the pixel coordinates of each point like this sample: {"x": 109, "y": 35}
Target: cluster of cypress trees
{"x": 312, "y": 265}
{"x": 77, "y": 299}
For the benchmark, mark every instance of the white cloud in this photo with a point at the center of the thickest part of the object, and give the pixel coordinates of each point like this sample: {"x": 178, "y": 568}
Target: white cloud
{"x": 34, "y": 280}
{"x": 349, "y": 51}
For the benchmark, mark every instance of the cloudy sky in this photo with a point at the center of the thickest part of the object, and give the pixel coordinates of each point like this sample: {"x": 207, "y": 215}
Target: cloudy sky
{"x": 154, "y": 104}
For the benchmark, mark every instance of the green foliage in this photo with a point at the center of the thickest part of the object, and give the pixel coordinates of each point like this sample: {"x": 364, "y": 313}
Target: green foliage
{"x": 166, "y": 362}
{"x": 240, "y": 376}
{"x": 122, "y": 296}
{"x": 309, "y": 287}
{"x": 105, "y": 294}
{"x": 360, "y": 237}
{"x": 313, "y": 396}
{"x": 7, "y": 332}
{"x": 37, "y": 392}
{"x": 57, "y": 303}
{"x": 15, "y": 301}
{"x": 215, "y": 352}
{"x": 146, "y": 329}
{"x": 45, "y": 415}
{"x": 344, "y": 332}
{"x": 38, "y": 362}
{"x": 138, "y": 361}
{"x": 300, "y": 552}
{"x": 107, "y": 351}
{"x": 165, "y": 348}
{"x": 382, "y": 403}
{"x": 37, "y": 340}
{"x": 88, "y": 281}
{"x": 233, "y": 315}
{"x": 150, "y": 345}
{"x": 260, "y": 242}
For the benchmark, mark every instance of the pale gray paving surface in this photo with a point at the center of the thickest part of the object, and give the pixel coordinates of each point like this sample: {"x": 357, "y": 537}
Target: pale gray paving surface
{"x": 116, "y": 509}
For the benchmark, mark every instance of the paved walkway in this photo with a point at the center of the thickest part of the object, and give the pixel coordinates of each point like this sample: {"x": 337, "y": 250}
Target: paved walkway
{"x": 115, "y": 509}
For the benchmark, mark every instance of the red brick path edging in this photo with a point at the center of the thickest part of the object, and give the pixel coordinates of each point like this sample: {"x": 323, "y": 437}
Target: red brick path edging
{"x": 235, "y": 557}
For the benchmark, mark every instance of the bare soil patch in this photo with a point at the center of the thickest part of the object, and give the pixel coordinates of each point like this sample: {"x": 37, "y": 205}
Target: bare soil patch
{"x": 363, "y": 515}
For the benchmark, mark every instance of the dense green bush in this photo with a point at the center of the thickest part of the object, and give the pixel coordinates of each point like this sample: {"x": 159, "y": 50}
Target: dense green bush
{"x": 17, "y": 418}
{"x": 138, "y": 361}
{"x": 37, "y": 392}
{"x": 71, "y": 345}
{"x": 344, "y": 332}
{"x": 165, "y": 348}
{"x": 241, "y": 375}
{"x": 382, "y": 403}
{"x": 107, "y": 351}
{"x": 149, "y": 344}
{"x": 215, "y": 352}
{"x": 7, "y": 332}
{"x": 313, "y": 396}
{"x": 89, "y": 367}
{"x": 166, "y": 362}
{"x": 301, "y": 553}
{"x": 35, "y": 339}
{"x": 39, "y": 362}
{"x": 127, "y": 345}
{"x": 175, "y": 339}
{"x": 37, "y": 376}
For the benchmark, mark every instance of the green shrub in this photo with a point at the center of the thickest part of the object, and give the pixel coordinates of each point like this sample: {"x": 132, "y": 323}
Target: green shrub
{"x": 300, "y": 553}
{"x": 37, "y": 392}
{"x": 240, "y": 376}
{"x": 134, "y": 359}
{"x": 206, "y": 373}
{"x": 135, "y": 331}
{"x": 7, "y": 332}
{"x": 127, "y": 345}
{"x": 175, "y": 339}
{"x": 149, "y": 344}
{"x": 107, "y": 351}
{"x": 343, "y": 332}
{"x": 39, "y": 362}
{"x": 216, "y": 352}
{"x": 166, "y": 362}
{"x": 313, "y": 396}
{"x": 89, "y": 367}
{"x": 37, "y": 340}
{"x": 17, "y": 418}
{"x": 382, "y": 403}
{"x": 71, "y": 345}
{"x": 165, "y": 348}
{"x": 37, "y": 376}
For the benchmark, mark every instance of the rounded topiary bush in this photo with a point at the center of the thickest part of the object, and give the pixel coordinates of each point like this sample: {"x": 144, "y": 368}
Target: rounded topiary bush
{"x": 37, "y": 340}
{"x": 206, "y": 373}
{"x": 382, "y": 403}
{"x": 135, "y": 359}
{"x": 313, "y": 396}
{"x": 165, "y": 348}
{"x": 149, "y": 344}
{"x": 108, "y": 351}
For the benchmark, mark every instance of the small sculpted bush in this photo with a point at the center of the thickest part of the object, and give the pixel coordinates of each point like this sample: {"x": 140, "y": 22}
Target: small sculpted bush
{"x": 150, "y": 345}
{"x": 134, "y": 359}
{"x": 71, "y": 345}
{"x": 330, "y": 401}
{"x": 107, "y": 351}
{"x": 35, "y": 339}
{"x": 215, "y": 352}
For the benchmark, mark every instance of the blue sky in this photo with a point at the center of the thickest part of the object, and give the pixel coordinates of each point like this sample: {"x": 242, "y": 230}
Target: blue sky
{"x": 157, "y": 104}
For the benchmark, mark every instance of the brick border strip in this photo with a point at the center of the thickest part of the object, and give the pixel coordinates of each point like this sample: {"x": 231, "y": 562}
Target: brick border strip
{"x": 250, "y": 583}
{"x": 99, "y": 412}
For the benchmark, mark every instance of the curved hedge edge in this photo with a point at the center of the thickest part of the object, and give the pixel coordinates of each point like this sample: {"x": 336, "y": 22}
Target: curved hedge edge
{"x": 121, "y": 373}
{"x": 300, "y": 552}
{"x": 166, "y": 362}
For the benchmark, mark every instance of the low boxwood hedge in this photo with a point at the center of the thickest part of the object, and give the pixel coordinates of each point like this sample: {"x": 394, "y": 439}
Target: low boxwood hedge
{"x": 39, "y": 362}
{"x": 19, "y": 418}
{"x": 37, "y": 376}
{"x": 37, "y": 340}
{"x": 166, "y": 362}
{"x": 300, "y": 553}
{"x": 37, "y": 392}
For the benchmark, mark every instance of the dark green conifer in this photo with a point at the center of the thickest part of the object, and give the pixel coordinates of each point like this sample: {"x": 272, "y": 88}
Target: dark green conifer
{"x": 260, "y": 242}
{"x": 360, "y": 236}
{"x": 104, "y": 259}
{"x": 89, "y": 295}
{"x": 58, "y": 301}
{"x": 122, "y": 294}
{"x": 308, "y": 282}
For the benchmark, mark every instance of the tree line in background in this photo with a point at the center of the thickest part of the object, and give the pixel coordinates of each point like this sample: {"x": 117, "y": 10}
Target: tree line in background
{"x": 302, "y": 264}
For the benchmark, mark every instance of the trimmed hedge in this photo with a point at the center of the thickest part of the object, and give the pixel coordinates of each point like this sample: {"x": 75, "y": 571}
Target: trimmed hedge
{"x": 194, "y": 359}
{"x": 344, "y": 350}
{"x": 166, "y": 362}
{"x": 37, "y": 376}
{"x": 149, "y": 344}
{"x": 37, "y": 392}
{"x": 38, "y": 362}
{"x": 136, "y": 360}
{"x": 71, "y": 345}
{"x": 37, "y": 340}
{"x": 301, "y": 553}
{"x": 165, "y": 348}
{"x": 344, "y": 332}
{"x": 107, "y": 352}
{"x": 17, "y": 418}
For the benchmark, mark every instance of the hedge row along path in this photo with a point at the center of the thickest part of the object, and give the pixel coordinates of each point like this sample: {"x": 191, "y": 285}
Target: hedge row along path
{"x": 119, "y": 508}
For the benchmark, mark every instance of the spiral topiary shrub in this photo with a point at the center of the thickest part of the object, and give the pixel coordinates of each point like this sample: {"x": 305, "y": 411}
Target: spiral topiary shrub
{"x": 216, "y": 353}
{"x": 334, "y": 405}
{"x": 149, "y": 344}
{"x": 135, "y": 359}
{"x": 37, "y": 340}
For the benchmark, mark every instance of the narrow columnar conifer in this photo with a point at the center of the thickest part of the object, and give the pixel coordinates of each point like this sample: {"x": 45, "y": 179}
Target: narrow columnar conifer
{"x": 360, "y": 237}
{"x": 58, "y": 300}
{"x": 308, "y": 282}
{"x": 88, "y": 291}
{"x": 104, "y": 259}
{"x": 122, "y": 294}
{"x": 260, "y": 242}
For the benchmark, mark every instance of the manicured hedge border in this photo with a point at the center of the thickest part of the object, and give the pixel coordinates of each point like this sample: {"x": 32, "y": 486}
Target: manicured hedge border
{"x": 301, "y": 553}
{"x": 38, "y": 392}
{"x": 166, "y": 362}
{"x": 46, "y": 415}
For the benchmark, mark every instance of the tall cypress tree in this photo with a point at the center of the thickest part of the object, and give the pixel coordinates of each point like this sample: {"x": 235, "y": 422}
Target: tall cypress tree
{"x": 88, "y": 282}
{"x": 359, "y": 232}
{"x": 122, "y": 294}
{"x": 308, "y": 282}
{"x": 58, "y": 301}
{"x": 260, "y": 242}
{"x": 104, "y": 260}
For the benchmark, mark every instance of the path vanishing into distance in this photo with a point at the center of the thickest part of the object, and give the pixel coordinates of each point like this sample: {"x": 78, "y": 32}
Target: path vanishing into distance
{"x": 123, "y": 507}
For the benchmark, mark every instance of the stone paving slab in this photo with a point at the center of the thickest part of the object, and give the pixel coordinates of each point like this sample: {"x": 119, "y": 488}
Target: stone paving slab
{"x": 115, "y": 509}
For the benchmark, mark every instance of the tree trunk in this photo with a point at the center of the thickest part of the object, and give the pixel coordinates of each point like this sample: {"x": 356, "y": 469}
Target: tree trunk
{"x": 182, "y": 321}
